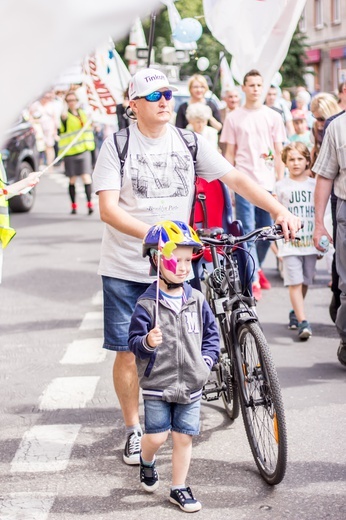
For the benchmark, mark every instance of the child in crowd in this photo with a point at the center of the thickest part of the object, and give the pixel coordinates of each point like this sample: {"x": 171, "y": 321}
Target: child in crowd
{"x": 302, "y": 133}
{"x": 299, "y": 257}
{"x": 175, "y": 338}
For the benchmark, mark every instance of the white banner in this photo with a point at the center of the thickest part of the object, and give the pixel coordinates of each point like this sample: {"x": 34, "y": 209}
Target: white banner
{"x": 256, "y": 32}
{"x": 67, "y": 31}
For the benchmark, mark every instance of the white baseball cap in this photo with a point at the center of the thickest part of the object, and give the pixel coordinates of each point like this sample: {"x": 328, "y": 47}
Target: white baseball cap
{"x": 146, "y": 81}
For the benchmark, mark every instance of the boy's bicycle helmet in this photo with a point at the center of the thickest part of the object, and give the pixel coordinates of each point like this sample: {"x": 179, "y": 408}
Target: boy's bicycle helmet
{"x": 171, "y": 231}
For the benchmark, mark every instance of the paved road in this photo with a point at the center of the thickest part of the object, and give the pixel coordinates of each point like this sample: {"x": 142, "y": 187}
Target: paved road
{"x": 61, "y": 434}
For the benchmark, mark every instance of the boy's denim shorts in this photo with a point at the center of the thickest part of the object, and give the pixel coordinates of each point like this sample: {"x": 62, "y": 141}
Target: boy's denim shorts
{"x": 161, "y": 416}
{"x": 119, "y": 300}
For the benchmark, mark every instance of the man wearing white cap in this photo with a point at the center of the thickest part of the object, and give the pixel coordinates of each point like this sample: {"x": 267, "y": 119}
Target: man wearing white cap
{"x": 157, "y": 184}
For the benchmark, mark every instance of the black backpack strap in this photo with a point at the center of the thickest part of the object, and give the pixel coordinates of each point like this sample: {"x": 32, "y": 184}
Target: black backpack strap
{"x": 121, "y": 142}
{"x": 190, "y": 139}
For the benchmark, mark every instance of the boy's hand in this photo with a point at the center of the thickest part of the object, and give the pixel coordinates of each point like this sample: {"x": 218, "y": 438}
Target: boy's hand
{"x": 154, "y": 338}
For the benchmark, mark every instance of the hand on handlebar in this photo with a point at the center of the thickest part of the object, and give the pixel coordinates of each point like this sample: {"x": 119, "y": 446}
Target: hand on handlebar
{"x": 290, "y": 225}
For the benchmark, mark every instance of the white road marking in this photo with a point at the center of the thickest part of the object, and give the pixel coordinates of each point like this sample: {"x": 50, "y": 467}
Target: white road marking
{"x": 84, "y": 351}
{"x": 26, "y": 506}
{"x": 68, "y": 392}
{"x": 45, "y": 448}
{"x": 98, "y": 298}
{"x": 92, "y": 321}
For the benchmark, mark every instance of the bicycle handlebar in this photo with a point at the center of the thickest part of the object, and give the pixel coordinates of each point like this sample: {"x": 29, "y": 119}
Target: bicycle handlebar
{"x": 217, "y": 236}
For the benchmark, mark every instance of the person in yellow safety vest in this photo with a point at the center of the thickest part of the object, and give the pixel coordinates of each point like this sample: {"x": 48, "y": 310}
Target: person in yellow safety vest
{"x": 78, "y": 158}
{"x": 6, "y": 232}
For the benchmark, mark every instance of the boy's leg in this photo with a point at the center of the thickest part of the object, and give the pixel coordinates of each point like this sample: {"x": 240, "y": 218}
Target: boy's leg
{"x": 181, "y": 457}
{"x": 297, "y": 301}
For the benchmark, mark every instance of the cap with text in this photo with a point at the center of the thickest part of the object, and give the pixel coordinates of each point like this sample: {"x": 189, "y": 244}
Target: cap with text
{"x": 146, "y": 81}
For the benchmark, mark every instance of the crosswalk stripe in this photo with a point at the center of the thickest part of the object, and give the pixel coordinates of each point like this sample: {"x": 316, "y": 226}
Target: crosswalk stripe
{"x": 84, "y": 351}
{"x": 98, "y": 298}
{"x": 26, "y": 506}
{"x": 92, "y": 321}
{"x": 68, "y": 392}
{"x": 45, "y": 448}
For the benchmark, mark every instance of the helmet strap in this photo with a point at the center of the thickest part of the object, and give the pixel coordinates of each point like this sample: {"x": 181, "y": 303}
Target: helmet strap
{"x": 170, "y": 285}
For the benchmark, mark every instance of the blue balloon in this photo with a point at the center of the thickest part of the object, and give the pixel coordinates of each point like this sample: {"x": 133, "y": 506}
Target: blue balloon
{"x": 188, "y": 30}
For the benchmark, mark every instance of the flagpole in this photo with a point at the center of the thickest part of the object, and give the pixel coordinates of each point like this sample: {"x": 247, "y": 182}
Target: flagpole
{"x": 217, "y": 73}
{"x": 157, "y": 289}
{"x": 151, "y": 35}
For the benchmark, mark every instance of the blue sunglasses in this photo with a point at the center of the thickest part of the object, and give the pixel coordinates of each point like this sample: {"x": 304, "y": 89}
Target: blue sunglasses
{"x": 157, "y": 95}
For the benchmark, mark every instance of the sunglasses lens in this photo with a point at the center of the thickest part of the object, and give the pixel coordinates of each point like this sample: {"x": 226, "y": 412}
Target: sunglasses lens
{"x": 156, "y": 96}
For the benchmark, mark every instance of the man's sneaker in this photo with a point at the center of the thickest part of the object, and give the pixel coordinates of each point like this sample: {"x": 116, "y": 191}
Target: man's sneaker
{"x": 132, "y": 448}
{"x": 304, "y": 330}
{"x": 256, "y": 291}
{"x": 263, "y": 280}
{"x": 149, "y": 477}
{"x": 293, "y": 321}
{"x": 342, "y": 353}
{"x": 185, "y": 500}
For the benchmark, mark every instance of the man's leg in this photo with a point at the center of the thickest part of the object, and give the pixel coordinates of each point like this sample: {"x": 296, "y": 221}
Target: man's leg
{"x": 340, "y": 250}
{"x": 125, "y": 380}
{"x": 119, "y": 299}
{"x": 262, "y": 218}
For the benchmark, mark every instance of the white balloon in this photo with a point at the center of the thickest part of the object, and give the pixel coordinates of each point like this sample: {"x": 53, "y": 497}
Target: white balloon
{"x": 202, "y": 63}
{"x": 277, "y": 79}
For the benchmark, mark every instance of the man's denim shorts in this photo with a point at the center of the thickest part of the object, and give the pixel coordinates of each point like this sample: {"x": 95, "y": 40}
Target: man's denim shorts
{"x": 160, "y": 416}
{"x": 119, "y": 300}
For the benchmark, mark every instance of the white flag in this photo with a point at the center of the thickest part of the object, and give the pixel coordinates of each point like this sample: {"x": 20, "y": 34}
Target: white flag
{"x": 256, "y": 32}
{"x": 68, "y": 30}
{"x": 226, "y": 77}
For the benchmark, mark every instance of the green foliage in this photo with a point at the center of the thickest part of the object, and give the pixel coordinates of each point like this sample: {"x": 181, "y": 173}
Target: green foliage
{"x": 294, "y": 67}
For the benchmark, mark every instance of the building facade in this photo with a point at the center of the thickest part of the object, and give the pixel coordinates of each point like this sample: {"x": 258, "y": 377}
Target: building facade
{"x": 324, "y": 24}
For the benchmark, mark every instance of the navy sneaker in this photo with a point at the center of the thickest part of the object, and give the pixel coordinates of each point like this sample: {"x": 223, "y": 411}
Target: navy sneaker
{"x": 149, "y": 477}
{"x": 293, "y": 322}
{"x": 132, "y": 449}
{"x": 304, "y": 330}
{"x": 185, "y": 500}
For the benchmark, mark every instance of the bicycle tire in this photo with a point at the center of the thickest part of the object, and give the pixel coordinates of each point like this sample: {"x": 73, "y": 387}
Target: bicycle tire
{"x": 226, "y": 381}
{"x": 263, "y": 415}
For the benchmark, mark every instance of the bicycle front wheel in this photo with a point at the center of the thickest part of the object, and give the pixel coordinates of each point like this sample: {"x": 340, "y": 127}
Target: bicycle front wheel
{"x": 261, "y": 404}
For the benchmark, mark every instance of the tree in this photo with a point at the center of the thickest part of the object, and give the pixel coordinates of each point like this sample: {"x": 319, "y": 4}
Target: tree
{"x": 294, "y": 67}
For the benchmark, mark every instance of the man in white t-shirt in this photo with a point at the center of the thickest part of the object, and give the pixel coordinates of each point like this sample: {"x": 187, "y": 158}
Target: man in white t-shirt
{"x": 254, "y": 135}
{"x": 157, "y": 184}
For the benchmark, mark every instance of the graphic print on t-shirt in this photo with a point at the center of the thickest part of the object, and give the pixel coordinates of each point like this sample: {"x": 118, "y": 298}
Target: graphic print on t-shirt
{"x": 160, "y": 175}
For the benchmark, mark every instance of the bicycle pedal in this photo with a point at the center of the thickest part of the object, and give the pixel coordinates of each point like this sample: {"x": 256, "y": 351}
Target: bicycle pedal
{"x": 211, "y": 391}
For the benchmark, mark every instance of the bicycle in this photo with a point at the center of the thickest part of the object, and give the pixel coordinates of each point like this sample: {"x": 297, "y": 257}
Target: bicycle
{"x": 246, "y": 374}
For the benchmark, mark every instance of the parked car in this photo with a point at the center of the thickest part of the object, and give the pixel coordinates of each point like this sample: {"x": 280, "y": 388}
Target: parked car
{"x": 20, "y": 158}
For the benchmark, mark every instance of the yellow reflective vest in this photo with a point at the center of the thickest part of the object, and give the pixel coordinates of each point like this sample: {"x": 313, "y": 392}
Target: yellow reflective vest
{"x": 6, "y": 232}
{"x": 68, "y": 131}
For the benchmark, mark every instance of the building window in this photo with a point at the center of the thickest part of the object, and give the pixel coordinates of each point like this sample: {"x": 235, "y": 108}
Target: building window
{"x": 302, "y": 21}
{"x": 336, "y": 11}
{"x": 318, "y": 14}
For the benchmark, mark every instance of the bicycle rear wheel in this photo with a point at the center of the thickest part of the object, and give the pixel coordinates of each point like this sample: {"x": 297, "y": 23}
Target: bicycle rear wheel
{"x": 226, "y": 380}
{"x": 263, "y": 409}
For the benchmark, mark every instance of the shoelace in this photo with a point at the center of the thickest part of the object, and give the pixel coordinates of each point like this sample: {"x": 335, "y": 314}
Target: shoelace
{"x": 135, "y": 443}
{"x": 185, "y": 494}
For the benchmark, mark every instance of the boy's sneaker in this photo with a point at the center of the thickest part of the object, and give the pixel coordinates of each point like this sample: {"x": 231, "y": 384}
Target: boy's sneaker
{"x": 293, "y": 321}
{"x": 185, "y": 500}
{"x": 342, "y": 353}
{"x": 263, "y": 280}
{"x": 149, "y": 477}
{"x": 132, "y": 449}
{"x": 304, "y": 330}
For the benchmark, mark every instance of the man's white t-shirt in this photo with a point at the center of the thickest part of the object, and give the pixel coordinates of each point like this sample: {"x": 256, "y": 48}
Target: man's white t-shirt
{"x": 158, "y": 184}
{"x": 254, "y": 132}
